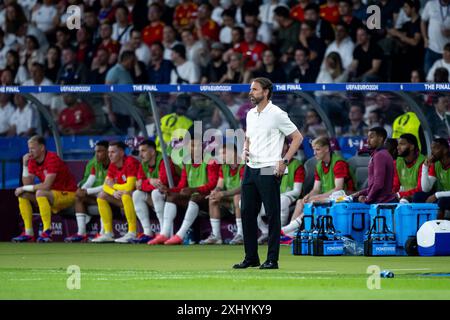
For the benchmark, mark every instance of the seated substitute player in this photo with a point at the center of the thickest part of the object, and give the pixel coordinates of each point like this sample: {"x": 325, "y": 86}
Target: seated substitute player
{"x": 196, "y": 182}
{"x": 227, "y": 193}
{"x": 119, "y": 184}
{"x": 151, "y": 174}
{"x": 332, "y": 174}
{"x": 436, "y": 170}
{"x": 92, "y": 185}
{"x": 55, "y": 192}
{"x": 408, "y": 168}
{"x": 290, "y": 190}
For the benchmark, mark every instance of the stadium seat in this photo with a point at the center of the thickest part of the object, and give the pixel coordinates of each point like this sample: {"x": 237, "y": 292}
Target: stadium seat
{"x": 310, "y": 165}
{"x": 359, "y": 167}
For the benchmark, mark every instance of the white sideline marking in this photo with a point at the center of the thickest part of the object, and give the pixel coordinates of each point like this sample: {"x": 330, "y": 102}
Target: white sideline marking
{"x": 418, "y": 269}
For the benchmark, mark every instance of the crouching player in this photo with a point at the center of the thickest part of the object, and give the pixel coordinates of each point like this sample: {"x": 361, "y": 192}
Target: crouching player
{"x": 227, "y": 193}
{"x": 196, "y": 182}
{"x": 290, "y": 190}
{"x": 86, "y": 195}
{"x": 119, "y": 184}
{"x": 151, "y": 175}
{"x": 55, "y": 192}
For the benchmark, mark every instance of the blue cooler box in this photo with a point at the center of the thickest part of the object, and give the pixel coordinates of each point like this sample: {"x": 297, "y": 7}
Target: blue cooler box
{"x": 351, "y": 219}
{"x": 433, "y": 238}
{"x": 409, "y": 217}
{"x": 386, "y": 210}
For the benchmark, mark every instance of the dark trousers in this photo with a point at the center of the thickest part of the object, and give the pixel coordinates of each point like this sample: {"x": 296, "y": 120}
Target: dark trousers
{"x": 260, "y": 189}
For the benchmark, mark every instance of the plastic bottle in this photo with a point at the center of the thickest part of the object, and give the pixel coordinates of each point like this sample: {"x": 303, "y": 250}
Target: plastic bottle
{"x": 187, "y": 237}
{"x": 40, "y": 229}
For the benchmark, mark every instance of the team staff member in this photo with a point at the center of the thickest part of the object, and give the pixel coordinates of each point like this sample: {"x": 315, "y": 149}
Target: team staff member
{"x": 119, "y": 184}
{"x": 55, "y": 192}
{"x": 267, "y": 128}
{"x": 92, "y": 185}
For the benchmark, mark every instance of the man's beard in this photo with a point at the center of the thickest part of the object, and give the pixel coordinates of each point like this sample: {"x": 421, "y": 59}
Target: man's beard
{"x": 256, "y": 100}
{"x": 404, "y": 154}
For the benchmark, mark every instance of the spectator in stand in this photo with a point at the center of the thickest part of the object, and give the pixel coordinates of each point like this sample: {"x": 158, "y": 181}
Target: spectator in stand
{"x": 346, "y": 17}
{"x": 251, "y": 19}
{"x": 298, "y": 11}
{"x": 119, "y": 74}
{"x": 13, "y": 62}
{"x": 24, "y": 120}
{"x": 287, "y": 33}
{"x": 333, "y": 70}
{"x": 251, "y": 49}
{"x": 185, "y": 15}
{"x": 417, "y": 76}
{"x": 52, "y": 63}
{"x": 435, "y": 170}
{"x": 6, "y": 111}
{"x": 343, "y": 45}
{"x": 435, "y": 27}
{"x": 357, "y": 126}
{"x": 159, "y": 69}
{"x": 235, "y": 70}
{"x": 267, "y": 16}
{"x": 196, "y": 50}
{"x": 240, "y": 8}
{"x": 367, "y": 58}
{"x": 441, "y": 63}
{"x": 38, "y": 79}
{"x": 137, "y": 12}
{"x": 410, "y": 42}
{"x": 381, "y": 171}
{"x": 408, "y": 168}
{"x": 154, "y": 31}
{"x": 85, "y": 48}
{"x": 227, "y": 26}
{"x": 217, "y": 10}
{"x": 92, "y": 25}
{"x": 107, "y": 12}
{"x": 112, "y": 46}
{"x": 314, "y": 126}
{"x": 71, "y": 72}
{"x": 359, "y": 10}
{"x": 441, "y": 75}
{"x": 98, "y": 72}
{"x": 31, "y": 51}
{"x": 184, "y": 71}
{"x": 6, "y": 79}
{"x": 315, "y": 45}
{"x": 302, "y": 72}
{"x": 206, "y": 28}
{"x": 14, "y": 18}
{"x": 269, "y": 69}
{"x": 62, "y": 38}
{"x": 216, "y": 67}
{"x": 43, "y": 16}
{"x": 169, "y": 40}
{"x": 377, "y": 119}
{"x": 77, "y": 118}
{"x": 323, "y": 29}
{"x": 3, "y": 49}
{"x": 329, "y": 11}
{"x": 217, "y": 120}
{"x": 438, "y": 119}
{"x": 121, "y": 28}
{"x": 136, "y": 44}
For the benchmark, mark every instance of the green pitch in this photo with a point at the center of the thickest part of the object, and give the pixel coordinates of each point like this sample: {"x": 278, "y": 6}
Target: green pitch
{"x": 113, "y": 271}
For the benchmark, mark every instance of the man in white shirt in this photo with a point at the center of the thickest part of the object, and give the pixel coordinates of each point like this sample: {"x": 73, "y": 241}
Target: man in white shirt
{"x": 141, "y": 50}
{"x": 342, "y": 45}
{"x": 38, "y": 79}
{"x": 441, "y": 63}
{"x": 6, "y": 110}
{"x": 25, "y": 119}
{"x": 267, "y": 128}
{"x": 185, "y": 72}
{"x": 435, "y": 27}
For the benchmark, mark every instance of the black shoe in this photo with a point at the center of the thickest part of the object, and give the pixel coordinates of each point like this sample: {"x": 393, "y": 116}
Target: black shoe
{"x": 269, "y": 265}
{"x": 245, "y": 264}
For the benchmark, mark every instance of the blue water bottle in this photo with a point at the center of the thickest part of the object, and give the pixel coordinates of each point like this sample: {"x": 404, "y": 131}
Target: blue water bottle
{"x": 187, "y": 237}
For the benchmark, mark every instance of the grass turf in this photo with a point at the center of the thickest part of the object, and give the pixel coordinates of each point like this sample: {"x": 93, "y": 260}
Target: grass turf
{"x": 113, "y": 271}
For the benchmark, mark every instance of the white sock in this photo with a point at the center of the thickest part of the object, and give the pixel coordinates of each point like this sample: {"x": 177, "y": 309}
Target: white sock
{"x": 293, "y": 226}
{"x": 239, "y": 226}
{"x": 141, "y": 208}
{"x": 262, "y": 225}
{"x": 158, "y": 205}
{"x": 215, "y": 224}
{"x": 29, "y": 232}
{"x": 81, "y": 223}
{"x": 170, "y": 212}
{"x": 285, "y": 203}
{"x": 189, "y": 218}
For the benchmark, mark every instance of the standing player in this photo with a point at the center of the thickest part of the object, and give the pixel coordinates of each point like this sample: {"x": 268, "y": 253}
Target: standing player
{"x": 55, "y": 192}
{"x": 227, "y": 193}
{"x": 290, "y": 190}
{"x": 151, "y": 175}
{"x": 119, "y": 184}
{"x": 86, "y": 195}
{"x": 196, "y": 182}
